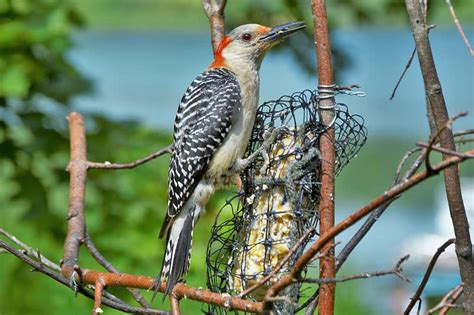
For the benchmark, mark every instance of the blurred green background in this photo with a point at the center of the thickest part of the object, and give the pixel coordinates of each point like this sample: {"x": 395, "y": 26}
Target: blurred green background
{"x": 39, "y": 84}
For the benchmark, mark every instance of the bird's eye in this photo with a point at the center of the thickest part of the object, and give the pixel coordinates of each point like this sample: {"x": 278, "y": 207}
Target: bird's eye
{"x": 246, "y": 37}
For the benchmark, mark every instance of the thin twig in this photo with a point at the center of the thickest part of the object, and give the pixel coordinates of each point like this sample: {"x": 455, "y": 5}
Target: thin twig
{"x": 448, "y": 299}
{"x": 298, "y": 244}
{"x": 435, "y": 137}
{"x": 427, "y": 275}
{"x": 31, "y": 252}
{"x": 407, "y": 66}
{"x": 443, "y": 150}
{"x": 120, "y": 166}
{"x": 397, "y": 270}
{"x": 108, "y": 266}
{"x": 459, "y": 27}
{"x": 98, "y": 297}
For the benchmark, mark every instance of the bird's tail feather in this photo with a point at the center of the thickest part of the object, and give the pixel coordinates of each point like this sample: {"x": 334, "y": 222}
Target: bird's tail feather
{"x": 178, "y": 252}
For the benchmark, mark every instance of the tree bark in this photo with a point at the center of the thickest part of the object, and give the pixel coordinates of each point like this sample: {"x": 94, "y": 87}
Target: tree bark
{"x": 439, "y": 113}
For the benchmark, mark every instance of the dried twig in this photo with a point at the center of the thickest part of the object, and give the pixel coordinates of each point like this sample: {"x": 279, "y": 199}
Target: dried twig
{"x": 435, "y": 138}
{"x": 426, "y": 277}
{"x": 407, "y": 66}
{"x": 108, "y": 266}
{"x": 98, "y": 297}
{"x": 447, "y": 300}
{"x": 118, "y": 166}
{"x": 459, "y": 27}
{"x": 35, "y": 254}
{"x": 397, "y": 271}
{"x": 443, "y": 150}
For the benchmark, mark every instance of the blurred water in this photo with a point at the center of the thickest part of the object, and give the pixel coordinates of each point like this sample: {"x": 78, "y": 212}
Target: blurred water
{"x": 144, "y": 74}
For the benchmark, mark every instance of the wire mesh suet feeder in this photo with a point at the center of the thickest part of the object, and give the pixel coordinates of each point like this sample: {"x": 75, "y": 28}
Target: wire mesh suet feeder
{"x": 256, "y": 229}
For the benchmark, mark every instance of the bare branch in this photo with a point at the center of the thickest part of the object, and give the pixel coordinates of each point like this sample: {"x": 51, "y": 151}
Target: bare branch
{"x": 443, "y": 150}
{"x": 435, "y": 138}
{"x": 459, "y": 27}
{"x": 108, "y": 266}
{"x": 447, "y": 300}
{"x": 326, "y": 147}
{"x": 78, "y": 177}
{"x": 397, "y": 270}
{"x": 174, "y": 302}
{"x": 427, "y": 275}
{"x": 31, "y": 252}
{"x": 117, "y": 166}
{"x": 215, "y": 12}
{"x": 407, "y": 66}
{"x": 97, "y": 297}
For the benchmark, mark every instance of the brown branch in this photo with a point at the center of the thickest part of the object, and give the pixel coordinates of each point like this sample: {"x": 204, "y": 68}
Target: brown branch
{"x": 438, "y": 112}
{"x": 426, "y": 277}
{"x": 215, "y": 12}
{"x": 447, "y": 300}
{"x": 109, "y": 267}
{"x": 397, "y": 271}
{"x": 326, "y": 87}
{"x": 87, "y": 276}
{"x": 351, "y": 220}
{"x": 298, "y": 244}
{"x": 78, "y": 177}
{"x": 459, "y": 27}
{"x": 119, "y": 166}
{"x": 174, "y": 302}
{"x": 97, "y": 297}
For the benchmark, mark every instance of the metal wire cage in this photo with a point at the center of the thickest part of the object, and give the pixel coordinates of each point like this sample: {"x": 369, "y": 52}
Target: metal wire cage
{"x": 256, "y": 229}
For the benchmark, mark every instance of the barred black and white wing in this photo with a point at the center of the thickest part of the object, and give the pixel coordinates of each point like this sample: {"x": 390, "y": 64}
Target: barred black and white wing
{"x": 204, "y": 118}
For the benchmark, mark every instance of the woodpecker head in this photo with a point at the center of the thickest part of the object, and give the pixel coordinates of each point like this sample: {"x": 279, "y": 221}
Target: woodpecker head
{"x": 247, "y": 44}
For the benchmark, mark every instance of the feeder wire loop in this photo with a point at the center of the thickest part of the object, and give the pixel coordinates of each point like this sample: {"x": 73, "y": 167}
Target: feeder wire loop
{"x": 255, "y": 230}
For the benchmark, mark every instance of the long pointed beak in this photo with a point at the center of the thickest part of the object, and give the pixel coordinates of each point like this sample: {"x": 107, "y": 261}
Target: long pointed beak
{"x": 281, "y": 31}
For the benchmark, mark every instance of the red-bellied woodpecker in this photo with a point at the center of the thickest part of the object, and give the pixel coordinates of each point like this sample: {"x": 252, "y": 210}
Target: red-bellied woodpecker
{"x": 211, "y": 132}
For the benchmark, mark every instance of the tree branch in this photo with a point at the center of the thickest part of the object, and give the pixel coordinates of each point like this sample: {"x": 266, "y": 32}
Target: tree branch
{"x": 215, "y": 12}
{"x": 447, "y": 301}
{"x": 438, "y": 111}
{"x": 117, "y": 166}
{"x": 109, "y": 267}
{"x": 326, "y": 147}
{"x": 426, "y": 277}
{"x": 459, "y": 27}
{"x": 397, "y": 270}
